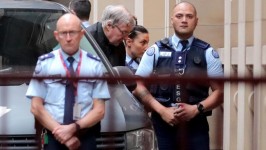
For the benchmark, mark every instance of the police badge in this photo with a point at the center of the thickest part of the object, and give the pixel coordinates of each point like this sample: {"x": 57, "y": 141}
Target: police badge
{"x": 150, "y": 51}
{"x": 215, "y": 54}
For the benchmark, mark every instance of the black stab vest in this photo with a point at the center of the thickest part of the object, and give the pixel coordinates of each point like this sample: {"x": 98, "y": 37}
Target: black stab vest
{"x": 195, "y": 65}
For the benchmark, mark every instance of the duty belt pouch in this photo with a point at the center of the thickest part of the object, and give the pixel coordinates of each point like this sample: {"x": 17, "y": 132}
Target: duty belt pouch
{"x": 162, "y": 92}
{"x": 164, "y": 101}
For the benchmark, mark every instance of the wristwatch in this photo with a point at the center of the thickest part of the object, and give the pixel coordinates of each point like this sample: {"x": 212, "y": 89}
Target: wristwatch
{"x": 200, "y": 108}
{"x": 77, "y": 126}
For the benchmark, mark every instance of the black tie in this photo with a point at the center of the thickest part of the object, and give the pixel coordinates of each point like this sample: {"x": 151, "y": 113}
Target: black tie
{"x": 184, "y": 44}
{"x": 69, "y": 95}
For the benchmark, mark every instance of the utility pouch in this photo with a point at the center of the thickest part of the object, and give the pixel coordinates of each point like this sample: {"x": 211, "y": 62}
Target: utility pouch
{"x": 166, "y": 102}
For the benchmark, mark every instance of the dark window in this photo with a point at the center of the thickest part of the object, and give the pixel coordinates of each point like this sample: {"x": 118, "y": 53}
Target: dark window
{"x": 24, "y": 36}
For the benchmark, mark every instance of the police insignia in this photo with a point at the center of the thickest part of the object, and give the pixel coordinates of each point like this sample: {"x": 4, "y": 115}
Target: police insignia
{"x": 38, "y": 68}
{"x": 215, "y": 54}
{"x": 93, "y": 57}
{"x": 46, "y": 56}
{"x": 150, "y": 51}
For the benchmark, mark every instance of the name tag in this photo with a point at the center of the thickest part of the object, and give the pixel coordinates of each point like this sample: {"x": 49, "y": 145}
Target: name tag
{"x": 165, "y": 54}
{"x": 77, "y": 111}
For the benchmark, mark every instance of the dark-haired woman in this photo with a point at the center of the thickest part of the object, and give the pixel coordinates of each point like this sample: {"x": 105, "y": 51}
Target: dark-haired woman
{"x": 136, "y": 45}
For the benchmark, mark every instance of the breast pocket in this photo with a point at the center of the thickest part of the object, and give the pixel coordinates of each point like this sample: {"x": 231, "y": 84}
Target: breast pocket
{"x": 55, "y": 90}
{"x": 85, "y": 88}
{"x": 54, "y": 81}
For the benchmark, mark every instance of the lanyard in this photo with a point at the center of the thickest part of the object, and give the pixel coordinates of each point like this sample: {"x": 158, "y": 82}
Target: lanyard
{"x": 77, "y": 72}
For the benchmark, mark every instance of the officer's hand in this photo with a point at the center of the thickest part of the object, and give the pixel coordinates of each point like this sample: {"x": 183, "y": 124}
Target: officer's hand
{"x": 64, "y": 132}
{"x": 186, "y": 112}
{"x": 168, "y": 116}
{"x": 73, "y": 143}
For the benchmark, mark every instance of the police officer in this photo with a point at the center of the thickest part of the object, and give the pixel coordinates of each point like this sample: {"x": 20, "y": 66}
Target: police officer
{"x": 180, "y": 110}
{"x": 49, "y": 96}
{"x": 136, "y": 44}
{"x": 81, "y": 8}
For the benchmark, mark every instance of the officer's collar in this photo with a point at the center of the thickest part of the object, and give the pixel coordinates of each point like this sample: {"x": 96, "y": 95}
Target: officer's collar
{"x": 75, "y": 56}
{"x": 176, "y": 39}
{"x": 128, "y": 58}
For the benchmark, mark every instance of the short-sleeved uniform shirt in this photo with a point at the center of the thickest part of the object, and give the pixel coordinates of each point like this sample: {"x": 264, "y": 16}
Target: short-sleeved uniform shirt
{"x": 214, "y": 65}
{"x": 52, "y": 91}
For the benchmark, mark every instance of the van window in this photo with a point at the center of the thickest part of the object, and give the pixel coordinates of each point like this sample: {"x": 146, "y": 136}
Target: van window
{"x": 32, "y": 31}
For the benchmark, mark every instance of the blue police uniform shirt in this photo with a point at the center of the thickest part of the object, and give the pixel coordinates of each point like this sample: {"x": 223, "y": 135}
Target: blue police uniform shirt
{"x": 131, "y": 63}
{"x": 214, "y": 65}
{"x": 52, "y": 91}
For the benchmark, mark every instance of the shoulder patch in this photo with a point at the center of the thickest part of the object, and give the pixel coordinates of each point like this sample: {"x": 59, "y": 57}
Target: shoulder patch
{"x": 93, "y": 57}
{"x": 215, "y": 54}
{"x": 38, "y": 68}
{"x": 165, "y": 44}
{"x": 46, "y": 56}
{"x": 201, "y": 44}
{"x": 150, "y": 51}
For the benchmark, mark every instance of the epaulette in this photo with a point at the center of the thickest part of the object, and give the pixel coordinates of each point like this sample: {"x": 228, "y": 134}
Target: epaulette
{"x": 93, "y": 57}
{"x": 46, "y": 56}
{"x": 165, "y": 42}
{"x": 201, "y": 44}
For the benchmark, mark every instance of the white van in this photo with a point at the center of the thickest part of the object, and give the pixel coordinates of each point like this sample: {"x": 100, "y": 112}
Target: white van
{"x": 26, "y": 32}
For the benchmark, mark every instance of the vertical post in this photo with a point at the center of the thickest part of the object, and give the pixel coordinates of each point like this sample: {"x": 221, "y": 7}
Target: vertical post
{"x": 244, "y": 114}
{"x": 229, "y": 89}
{"x": 95, "y": 10}
{"x": 139, "y": 11}
{"x": 259, "y": 71}
{"x": 166, "y": 20}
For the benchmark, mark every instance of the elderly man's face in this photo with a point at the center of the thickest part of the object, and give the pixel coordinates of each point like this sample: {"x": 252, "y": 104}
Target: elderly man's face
{"x": 117, "y": 33}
